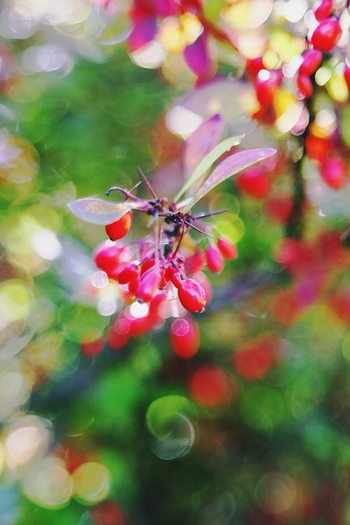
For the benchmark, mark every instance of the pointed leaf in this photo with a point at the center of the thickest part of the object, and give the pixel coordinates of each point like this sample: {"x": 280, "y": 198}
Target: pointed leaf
{"x": 99, "y": 211}
{"x": 202, "y": 141}
{"x": 208, "y": 161}
{"x": 229, "y": 167}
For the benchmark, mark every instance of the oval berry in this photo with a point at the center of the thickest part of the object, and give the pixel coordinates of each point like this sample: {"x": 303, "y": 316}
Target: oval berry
{"x": 149, "y": 286}
{"x": 184, "y": 337}
{"x": 312, "y": 58}
{"x": 107, "y": 256}
{"x": 118, "y": 229}
{"x": 323, "y": 9}
{"x": 347, "y": 76}
{"x": 305, "y": 85}
{"x": 128, "y": 273}
{"x": 333, "y": 172}
{"x": 253, "y": 182}
{"x": 326, "y": 35}
{"x": 214, "y": 259}
{"x": 192, "y": 296}
{"x": 227, "y": 248}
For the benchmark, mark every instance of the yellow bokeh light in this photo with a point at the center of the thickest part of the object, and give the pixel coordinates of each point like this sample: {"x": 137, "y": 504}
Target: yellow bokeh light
{"x": 232, "y": 228}
{"x": 15, "y": 300}
{"x": 337, "y": 88}
{"x": 91, "y": 483}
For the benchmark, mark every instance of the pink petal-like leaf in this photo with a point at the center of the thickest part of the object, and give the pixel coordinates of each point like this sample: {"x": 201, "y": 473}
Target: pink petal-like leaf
{"x": 229, "y": 167}
{"x": 197, "y": 57}
{"x": 143, "y": 32}
{"x": 203, "y": 141}
{"x": 99, "y": 211}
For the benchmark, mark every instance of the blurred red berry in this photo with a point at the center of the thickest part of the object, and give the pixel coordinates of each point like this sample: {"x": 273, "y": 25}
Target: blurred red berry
{"x": 312, "y": 58}
{"x": 326, "y": 35}
{"x": 347, "y": 76}
{"x": 317, "y": 148}
{"x": 211, "y": 387}
{"x": 227, "y": 248}
{"x": 333, "y": 172}
{"x": 266, "y": 84}
{"x": 304, "y": 85}
{"x": 323, "y": 9}
{"x": 253, "y": 182}
{"x": 255, "y": 358}
{"x": 214, "y": 259}
{"x": 184, "y": 337}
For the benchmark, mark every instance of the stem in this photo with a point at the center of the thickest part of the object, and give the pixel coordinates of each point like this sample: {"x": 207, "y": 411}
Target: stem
{"x": 148, "y": 184}
{"x": 295, "y": 225}
{"x": 126, "y": 193}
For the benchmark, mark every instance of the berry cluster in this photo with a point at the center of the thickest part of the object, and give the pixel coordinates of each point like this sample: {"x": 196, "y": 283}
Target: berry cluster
{"x": 154, "y": 271}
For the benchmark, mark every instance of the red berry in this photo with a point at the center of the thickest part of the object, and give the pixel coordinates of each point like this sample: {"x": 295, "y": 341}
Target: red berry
{"x": 253, "y": 66}
{"x": 347, "y": 76}
{"x": 184, "y": 337}
{"x": 128, "y": 273}
{"x": 210, "y": 386}
{"x": 266, "y": 84}
{"x": 312, "y": 58}
{"x": 149, "y": 286}
{"x": 326, "y": 35}
{"x": 255, "y": 358}
{"x": 278, "y": 208}
{"x": 333, "y": 172}
{"x": 192, "y": 296}
{"x": 305, "y": 85}
{"x": 118, "y": 333}
{"x": 92, "y": 348}
{"x": 176, "y": 279}
{"x": 323, "y": 9}
{"x": 214, "y": 258}
{"x": 205, "y": 283}
{"x": 118, "y": 229}
{"x": 106, "y": 256}
{"x": 317, "y": 148}
{"x": 253, "y": 182}
{"x": 227, "y": 248}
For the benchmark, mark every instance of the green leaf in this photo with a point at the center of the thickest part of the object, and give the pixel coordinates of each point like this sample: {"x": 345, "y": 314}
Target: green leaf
{"x": 208, "y": 161}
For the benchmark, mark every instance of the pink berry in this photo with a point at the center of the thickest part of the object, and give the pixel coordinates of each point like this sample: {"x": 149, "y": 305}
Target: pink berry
{"x": 192, "y": 296}
{"x": 149, "y": 286}
{"x": 326, "y": 35}
{"x": 333, "y": 172}
{"x": 214, "y": 258}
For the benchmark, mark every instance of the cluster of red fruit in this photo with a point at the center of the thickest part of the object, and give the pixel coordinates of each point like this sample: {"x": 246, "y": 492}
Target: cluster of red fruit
{"x": 165, "y": 282}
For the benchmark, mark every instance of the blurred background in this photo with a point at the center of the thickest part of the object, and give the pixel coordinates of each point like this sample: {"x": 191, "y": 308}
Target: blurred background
{"x": 109, "y": 426}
